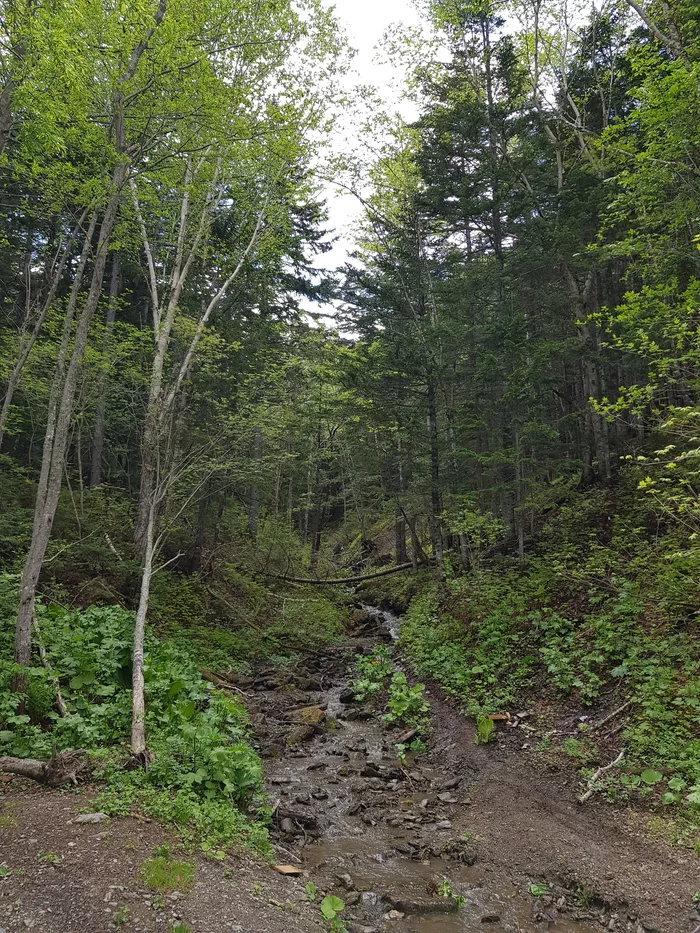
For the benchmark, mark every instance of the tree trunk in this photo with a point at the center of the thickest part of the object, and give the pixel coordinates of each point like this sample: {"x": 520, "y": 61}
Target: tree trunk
{"x": 99, "y": 435}
{"x": 254, "y": 493}
{"x": 56, "y": 440}
{"x": 400, "y": 536}
{"x": 138, "y": 699}
{"x": 435, "y": 499}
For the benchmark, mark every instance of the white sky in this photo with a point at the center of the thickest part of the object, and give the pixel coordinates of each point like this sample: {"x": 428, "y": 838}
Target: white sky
{"x": 364, "y": 21}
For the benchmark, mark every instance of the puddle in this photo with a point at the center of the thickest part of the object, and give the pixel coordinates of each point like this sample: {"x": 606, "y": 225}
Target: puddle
{"x": 387, "y": 839}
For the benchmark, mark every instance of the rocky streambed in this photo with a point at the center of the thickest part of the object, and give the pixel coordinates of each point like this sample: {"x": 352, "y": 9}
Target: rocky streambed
{"x": 392, "y": 839}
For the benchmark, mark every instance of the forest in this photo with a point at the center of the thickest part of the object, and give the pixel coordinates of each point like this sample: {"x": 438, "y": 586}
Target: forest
{"x": 231, "y": 474}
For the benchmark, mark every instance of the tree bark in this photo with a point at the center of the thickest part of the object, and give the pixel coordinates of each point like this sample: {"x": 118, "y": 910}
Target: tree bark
{"x": 138, "y": 701}
{"x": 435, "y": 500}
{"x": 254, "y": 492}
{"x": 336, "y": 581}
{"x": 99, "y": 433}
{"x": 56, "y": 440}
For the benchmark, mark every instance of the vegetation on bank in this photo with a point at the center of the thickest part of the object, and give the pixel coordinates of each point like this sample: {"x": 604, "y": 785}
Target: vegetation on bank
{"x": 600, "y": 619}
{"x": 205, "y": 777}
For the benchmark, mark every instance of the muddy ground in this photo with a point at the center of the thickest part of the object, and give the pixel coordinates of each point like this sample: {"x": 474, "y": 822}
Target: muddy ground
{"x": 450, "y": 841}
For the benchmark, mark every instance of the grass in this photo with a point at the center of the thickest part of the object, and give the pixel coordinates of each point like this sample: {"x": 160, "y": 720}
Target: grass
{"x": 165, "y": 875}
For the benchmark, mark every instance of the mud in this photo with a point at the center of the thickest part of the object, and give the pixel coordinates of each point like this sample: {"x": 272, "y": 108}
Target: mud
{"x": 396, "y": 841}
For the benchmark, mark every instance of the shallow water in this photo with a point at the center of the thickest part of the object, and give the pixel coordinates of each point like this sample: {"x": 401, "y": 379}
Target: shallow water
{"x": 374, "y": 815}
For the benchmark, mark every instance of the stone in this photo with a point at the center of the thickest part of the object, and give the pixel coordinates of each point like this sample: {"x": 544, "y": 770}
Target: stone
{"x": 491, "y": 918}
{"x": 347, "y": 696}
{"x": 395, "y": 915}
{"x": 452, "y": 783}
{"x": 299, "y": 734}
{"x": 443, "y": 824}
{"x": 447, "y": 797}
{"x": 312, "y": 715}
{"x": 346, "y": 882}
{"x": 91, "y": 818}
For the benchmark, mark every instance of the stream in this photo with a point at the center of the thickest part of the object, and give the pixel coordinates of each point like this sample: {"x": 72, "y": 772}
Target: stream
{"x": 388, "y": 839}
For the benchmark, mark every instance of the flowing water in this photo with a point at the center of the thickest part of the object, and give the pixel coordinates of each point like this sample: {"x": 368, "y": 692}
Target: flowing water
{"x": 386, "y": 838}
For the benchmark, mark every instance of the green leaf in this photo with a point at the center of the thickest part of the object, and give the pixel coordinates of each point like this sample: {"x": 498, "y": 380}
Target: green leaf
{"x": 650, "y": 776}
{"x": 331, "y": 906}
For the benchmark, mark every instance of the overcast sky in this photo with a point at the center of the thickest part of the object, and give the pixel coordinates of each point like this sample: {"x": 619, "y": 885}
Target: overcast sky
{"x": 364, "y": 21}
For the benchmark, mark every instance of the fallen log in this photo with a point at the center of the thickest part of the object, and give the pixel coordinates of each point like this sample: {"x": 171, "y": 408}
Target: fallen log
{"x": 63, "y": 768}
{"x": 335, "y": 581}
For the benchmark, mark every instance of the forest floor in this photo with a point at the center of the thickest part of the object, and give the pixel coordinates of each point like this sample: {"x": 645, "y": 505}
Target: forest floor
{"x": 485, "y": 822}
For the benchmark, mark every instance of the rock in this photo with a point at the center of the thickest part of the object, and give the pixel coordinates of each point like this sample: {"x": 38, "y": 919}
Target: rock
{"x": 443, "y": 824}
{"x": 346, "y": 882}
{"x": 491, "y": 918}
{"x": 447, "y": 797}
{"x": 91, "y": 818}
{"x": 299, "y": 734}
{"x": 288, "y": 870}
{"x": 347, "y": 696}
{"x": 395, "y": 915}
{"x": 288, "y": 827}
{"x": 352, "y": 898}
{"x": 312, "y": 715}
{"x": 370, "y": 770}
{"x": 452, "y": 783}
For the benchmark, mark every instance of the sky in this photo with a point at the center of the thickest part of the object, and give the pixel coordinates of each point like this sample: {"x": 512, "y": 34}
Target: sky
{"x": 364, "y": 21}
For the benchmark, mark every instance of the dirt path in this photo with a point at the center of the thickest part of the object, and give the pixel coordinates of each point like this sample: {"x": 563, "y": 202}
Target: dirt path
{"x": 479, "y": 823}
{"x": 68, "y": 877}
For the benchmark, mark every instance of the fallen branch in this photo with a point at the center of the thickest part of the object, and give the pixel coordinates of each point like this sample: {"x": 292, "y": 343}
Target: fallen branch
{"x": 612, "y": 715}
{"x": 591, "y": 784}
{"x": 222, "y": 684}
{"x": 340, "y": 580}
{"x": 59, "y": 769}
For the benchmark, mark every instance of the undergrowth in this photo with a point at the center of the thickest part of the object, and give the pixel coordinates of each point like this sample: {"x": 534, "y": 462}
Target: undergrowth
{"x": 205, "y": 778}
{"x": 601, "y": 614}
{"x": 405, "y": 706}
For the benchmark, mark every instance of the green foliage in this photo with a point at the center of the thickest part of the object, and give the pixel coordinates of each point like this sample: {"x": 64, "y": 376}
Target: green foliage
{"x": 331, "y": 906}
{"x": 485, "y": 730}
{"x": 310, "y": 890}
{"x": 371, "y": 672}
{"x": 578, "y": 618}
{"x": 406, "y": 705}
{"x": 445, "y": 889}
{"x": 205, "y": 773}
